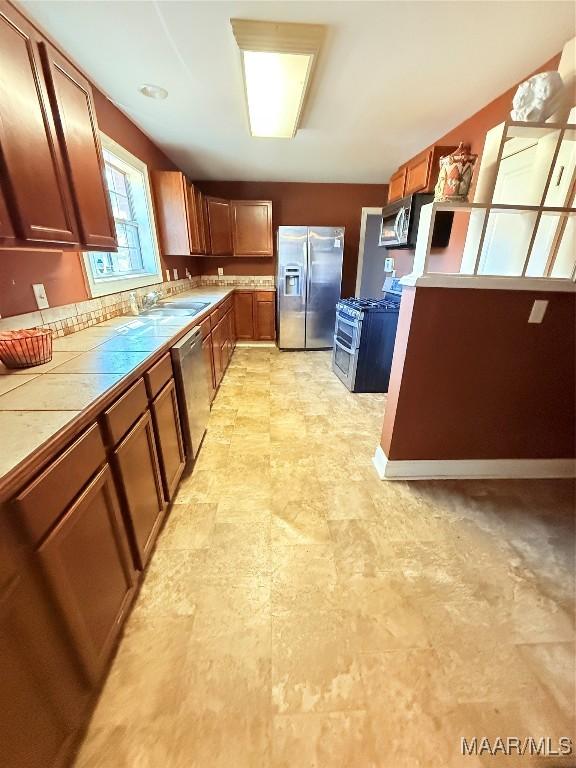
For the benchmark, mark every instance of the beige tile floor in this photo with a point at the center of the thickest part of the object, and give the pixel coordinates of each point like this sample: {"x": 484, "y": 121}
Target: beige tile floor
{"x": 300, "y": 613}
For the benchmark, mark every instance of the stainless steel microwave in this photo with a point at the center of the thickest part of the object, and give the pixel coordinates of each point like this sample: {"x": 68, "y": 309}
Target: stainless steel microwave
{"x": 399, "y": 228}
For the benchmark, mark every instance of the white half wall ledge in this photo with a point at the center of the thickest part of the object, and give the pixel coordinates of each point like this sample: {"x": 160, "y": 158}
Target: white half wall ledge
{"x": 472, "y": 469}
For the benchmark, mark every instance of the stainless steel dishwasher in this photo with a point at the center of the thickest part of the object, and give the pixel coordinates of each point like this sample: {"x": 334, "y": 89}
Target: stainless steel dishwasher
{"x": 192, "y": 389}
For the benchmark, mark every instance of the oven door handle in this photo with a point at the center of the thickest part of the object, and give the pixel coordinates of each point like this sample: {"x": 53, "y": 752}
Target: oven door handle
{"x": 351, "y": 321}
{"x": 343, "y": 346}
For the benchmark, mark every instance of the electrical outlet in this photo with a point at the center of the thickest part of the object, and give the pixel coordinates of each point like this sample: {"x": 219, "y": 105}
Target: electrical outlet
{"x": 538, "y": 311}
{"x": 40, "y": 295}
{"x": 389, "y": 264}
{"x": 220, "y": 271}
{"x": 175, "y": 273}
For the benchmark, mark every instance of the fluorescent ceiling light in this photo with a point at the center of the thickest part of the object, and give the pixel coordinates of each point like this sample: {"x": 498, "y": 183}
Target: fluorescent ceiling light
{"x": 277, "y": 63}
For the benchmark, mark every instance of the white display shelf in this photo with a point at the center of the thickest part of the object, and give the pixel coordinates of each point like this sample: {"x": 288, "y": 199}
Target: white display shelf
{"x": 538, "y": 244}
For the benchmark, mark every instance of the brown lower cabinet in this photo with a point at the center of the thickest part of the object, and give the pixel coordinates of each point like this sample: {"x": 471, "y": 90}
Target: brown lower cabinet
{"x": 164, "y": 409}
{"x": 86, "y": 561}
{"x": 209, "y": 363}
{"x": 255, "y": 315}
{"x": 136, "y": 464}
{"x": 43, "y": 696}
{"x": 265, "y": 315}
{"x": 72, "y": 542}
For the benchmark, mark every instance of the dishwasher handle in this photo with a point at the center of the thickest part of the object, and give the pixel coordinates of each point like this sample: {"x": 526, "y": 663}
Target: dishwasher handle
{"x": 188, "y": 342}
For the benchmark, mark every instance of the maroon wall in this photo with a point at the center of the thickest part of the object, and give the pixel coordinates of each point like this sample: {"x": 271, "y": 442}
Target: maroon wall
{"x": 475, "y": 380}
{"x": 295, "y": 203}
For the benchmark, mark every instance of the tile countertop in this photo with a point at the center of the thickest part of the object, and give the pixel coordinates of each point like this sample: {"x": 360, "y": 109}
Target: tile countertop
{"x": 37, "y": 403}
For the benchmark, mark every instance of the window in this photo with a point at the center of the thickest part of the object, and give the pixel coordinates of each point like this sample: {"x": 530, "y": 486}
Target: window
{"x": 136, "y": 262}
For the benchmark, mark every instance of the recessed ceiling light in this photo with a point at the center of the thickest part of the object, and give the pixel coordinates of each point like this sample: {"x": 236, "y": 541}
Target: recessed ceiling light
{"x": 153, "y": 91}
{"x": 277, "y": 64}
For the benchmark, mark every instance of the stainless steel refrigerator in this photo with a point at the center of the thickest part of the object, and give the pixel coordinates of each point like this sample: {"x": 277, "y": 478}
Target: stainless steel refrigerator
{"x": 308, "y": 285}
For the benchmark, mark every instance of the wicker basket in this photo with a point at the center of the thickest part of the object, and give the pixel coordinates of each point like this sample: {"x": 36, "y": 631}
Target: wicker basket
{"x": 26, "y": 348}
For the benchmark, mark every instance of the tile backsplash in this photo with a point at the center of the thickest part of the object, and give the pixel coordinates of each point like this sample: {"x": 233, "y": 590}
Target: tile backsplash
{"x": 70, "y": 318}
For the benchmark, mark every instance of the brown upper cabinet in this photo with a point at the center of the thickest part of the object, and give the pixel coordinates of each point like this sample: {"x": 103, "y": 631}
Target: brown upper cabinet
{"x": 420, "y": 174}
{"x": 219, "y": 226}
{"x": 252, "y": 227}
{"x": 179, "y": 214}
{"x": 396, "y": 185}
{"x": 77, "y": 127}
{"x": 6, "y": 229}
{"x": 53, "y": 181}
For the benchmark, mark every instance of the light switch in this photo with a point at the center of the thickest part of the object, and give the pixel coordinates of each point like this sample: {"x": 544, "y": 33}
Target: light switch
{"x": 538, "y": 311}
{"x": 175, "y": 273}
{"x": 168, "y": 275}
{"x": 220, "y": 271}
{"x": 389, "y": 264}
{"x": 40, "y": 294}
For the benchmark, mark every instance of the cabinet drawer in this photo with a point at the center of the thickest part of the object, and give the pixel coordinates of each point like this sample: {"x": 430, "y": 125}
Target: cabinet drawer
{"x": 158, "y": 376}
{"x": 265, "y": 295}
{"x": 41, "y": 504}
{"x": 205, "y": 327}
{"x": 125, "y": 411}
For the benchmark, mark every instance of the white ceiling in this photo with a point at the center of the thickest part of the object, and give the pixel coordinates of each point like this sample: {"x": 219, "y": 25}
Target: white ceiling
{"x": 393, "y": 76}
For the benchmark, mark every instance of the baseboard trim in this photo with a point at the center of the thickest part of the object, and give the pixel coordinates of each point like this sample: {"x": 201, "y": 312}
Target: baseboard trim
{"x": 255, "y": 344}
{"x": 454, "y": 469}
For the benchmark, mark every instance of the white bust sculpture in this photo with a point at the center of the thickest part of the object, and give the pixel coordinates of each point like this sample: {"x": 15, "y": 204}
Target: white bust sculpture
{"x": 537, "y": 98}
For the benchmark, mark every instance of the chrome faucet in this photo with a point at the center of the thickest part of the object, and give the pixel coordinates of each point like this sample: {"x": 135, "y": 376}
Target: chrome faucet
{"x": 151, "y": 299}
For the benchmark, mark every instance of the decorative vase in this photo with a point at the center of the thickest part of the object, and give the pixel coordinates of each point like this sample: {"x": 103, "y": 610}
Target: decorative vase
{"x": 455, "y": 175}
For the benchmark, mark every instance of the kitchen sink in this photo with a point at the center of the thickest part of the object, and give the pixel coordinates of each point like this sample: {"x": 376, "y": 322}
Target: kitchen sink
{"x": 175, "y": 309}
{"x": 197, "y": 306}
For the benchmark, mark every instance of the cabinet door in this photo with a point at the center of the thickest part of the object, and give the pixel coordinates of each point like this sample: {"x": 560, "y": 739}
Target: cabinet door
{"x": 203, "y": 222}
{"x": 87, "y": 563}
{"x": 417, "y": 173}
{"x": 140, "y": 485}
{"x": 169, "y": 438}
{"x": 217, "y": 353}
{"x": 170, "y": 197}
{"x": 75, "y": 117}
{"x": 33, "y": 176}
{"x": 244, "y": 314}
{"x": 209, "y": 363}
{"x": 264, "y": 319}
{"x": 252, "y": 227}
{"x": 194, "y": 220}
{"x": 42, "y": 696}
{"x": 396, "y": 185}
{"x": 220, "y": 226}
{"x": 7, "y": 233}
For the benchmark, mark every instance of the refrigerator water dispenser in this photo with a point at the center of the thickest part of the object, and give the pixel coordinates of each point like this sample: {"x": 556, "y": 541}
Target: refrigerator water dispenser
{"x": 292, "y": 280}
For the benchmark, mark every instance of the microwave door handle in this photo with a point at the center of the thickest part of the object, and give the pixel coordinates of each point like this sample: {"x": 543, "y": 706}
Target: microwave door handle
{"x": 399, "y": 216}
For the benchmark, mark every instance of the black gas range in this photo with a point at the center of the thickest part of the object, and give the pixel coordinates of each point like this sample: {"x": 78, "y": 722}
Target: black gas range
{"x": 364, "y": 339}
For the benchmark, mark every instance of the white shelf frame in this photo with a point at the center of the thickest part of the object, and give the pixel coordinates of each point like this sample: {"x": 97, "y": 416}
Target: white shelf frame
{"x": 513, "y": 129}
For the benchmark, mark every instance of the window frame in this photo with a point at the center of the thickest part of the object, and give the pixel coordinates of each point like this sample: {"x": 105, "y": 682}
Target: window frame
{"x": 116, "y": 283}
